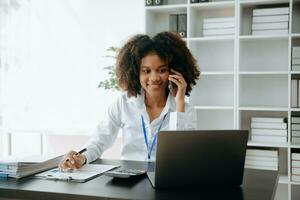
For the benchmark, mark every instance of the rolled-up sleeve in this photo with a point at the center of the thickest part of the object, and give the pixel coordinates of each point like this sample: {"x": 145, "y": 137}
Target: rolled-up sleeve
{"x": 183, "y": 120}
{"x": 105, "y": 133}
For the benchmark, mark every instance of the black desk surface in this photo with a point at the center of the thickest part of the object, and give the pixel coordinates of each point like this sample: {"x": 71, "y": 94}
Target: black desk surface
{"x": 257, "y": 185}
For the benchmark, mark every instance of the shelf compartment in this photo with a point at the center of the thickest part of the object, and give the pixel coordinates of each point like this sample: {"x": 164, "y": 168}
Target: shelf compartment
{"x": 157, "y": 18}
{"x": 264, "y": 55}
{"x": 215, "y": 119}
{"x": 213, "y": 91}
{"x": 295, "y": 190}
{"x": 222, "y": 50}
{"x": 263, "y": 91}
{"x": 198, "y": 14}
{"x": 246, "y": 11}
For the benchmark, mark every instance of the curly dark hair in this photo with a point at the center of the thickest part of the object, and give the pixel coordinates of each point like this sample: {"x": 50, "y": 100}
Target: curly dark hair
{"x": 168, "y": 46}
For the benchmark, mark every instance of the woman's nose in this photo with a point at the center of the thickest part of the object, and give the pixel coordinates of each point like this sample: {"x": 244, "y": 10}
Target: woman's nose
{"x": 154, "y": 77}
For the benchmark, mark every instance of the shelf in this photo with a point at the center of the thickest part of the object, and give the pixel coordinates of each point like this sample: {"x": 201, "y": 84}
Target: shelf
{"x": 295, "y": 183}
{"x": 216, "y": 73}
{"x": 264, "y": 73}
{"x": 263, "y": 37}
{"x": 213, "y": 107}
{"x": 213, "y": 5}
{"x": 264, "y": 144}
{"x": 212, "y": 38}
{"x": 296, "y": 146}
{"x": 167, "y": 8}
{"x": 264, "y": 108}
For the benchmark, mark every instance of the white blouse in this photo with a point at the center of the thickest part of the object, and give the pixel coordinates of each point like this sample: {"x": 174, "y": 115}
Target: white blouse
{"x": 125, "y": 114}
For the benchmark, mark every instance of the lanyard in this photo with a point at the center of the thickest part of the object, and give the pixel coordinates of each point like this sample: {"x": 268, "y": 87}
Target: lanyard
{"x": 155, "y": 135}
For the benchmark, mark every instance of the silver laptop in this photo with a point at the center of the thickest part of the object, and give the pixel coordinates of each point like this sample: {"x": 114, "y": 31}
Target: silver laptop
{"x": 199, "y": 158}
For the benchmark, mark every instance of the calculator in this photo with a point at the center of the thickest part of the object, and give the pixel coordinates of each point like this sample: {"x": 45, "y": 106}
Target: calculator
{"x": 125, "y": 173}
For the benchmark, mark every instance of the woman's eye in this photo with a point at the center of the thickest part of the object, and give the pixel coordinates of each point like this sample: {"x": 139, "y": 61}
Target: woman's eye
{"x": 146, "y": 71}
{"x": 162, "y": 70}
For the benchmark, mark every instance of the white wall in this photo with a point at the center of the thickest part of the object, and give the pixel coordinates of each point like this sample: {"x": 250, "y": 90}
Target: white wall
{"x": 59, "y": 93}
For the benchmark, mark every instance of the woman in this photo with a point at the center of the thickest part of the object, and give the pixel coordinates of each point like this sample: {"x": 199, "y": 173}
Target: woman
{"x": 156, "y": 74}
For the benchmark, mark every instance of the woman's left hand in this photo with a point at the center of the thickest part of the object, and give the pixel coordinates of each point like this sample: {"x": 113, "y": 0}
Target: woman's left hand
{"x": 179, "y": 94}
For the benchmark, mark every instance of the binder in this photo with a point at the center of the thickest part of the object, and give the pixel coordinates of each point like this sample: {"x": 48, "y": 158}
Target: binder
{"x": 182, "y": 21}
{"x": 173, "y": 22}
{"x": 158, "y": 2}
{"x": 148, "y": 2}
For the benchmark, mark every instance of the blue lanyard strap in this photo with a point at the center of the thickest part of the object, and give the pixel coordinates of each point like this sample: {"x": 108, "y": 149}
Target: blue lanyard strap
{"x": 155, "y": 135}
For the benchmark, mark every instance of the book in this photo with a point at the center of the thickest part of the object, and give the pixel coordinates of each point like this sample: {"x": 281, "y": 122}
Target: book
{"x": 268, "y": 119}
{"x": 295, "y": 163}
{"x": 266, "y": 125}
{"x": 270, "y": 32}
{"x": 295, "y": 61}
{"x": 182, "y": 22}
{"x": 194, "y": 1}
{"x": 249, "y": 166}
{"x": 295, "y": 120}
{"x": 269, "y": 132}
{"x": 218, "y": 20}
{"x": 262, "y": 153}
{"x": 295, "y": 178}
{"x": 295, "y": 133}
{"x": 296, "y": 170}
{"x": 294, "y": 93}
{"x": 295, "y": 140}
{"x": 295, "y": 127}
{"x": 212, "y": 32}
{"x": 273, "y": 25}
{"x": 271, "y": 11}
{"x": 21, "y": 167}
{"x": 295, "y": 67}
{"x": 218, "y": 25}
{"x": 260, "y": 158}
{"x": 173, "y": 22}
{"x": 269, "y": 139}
{"x": 296, "y": 156}
{"x": 261, "y": 163}
{"x": 81, "y": 175}
{"x": 273, "y": 18}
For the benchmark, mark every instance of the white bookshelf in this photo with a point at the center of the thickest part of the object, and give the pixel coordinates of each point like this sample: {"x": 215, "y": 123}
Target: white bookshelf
{"x": 242, "y": 75}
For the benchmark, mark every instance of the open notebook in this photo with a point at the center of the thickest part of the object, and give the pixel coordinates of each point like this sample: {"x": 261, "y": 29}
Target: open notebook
{"x": 81, "y": 175}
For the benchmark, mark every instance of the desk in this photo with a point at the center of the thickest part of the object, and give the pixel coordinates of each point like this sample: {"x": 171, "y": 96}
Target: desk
{"x": 258, "y": 184}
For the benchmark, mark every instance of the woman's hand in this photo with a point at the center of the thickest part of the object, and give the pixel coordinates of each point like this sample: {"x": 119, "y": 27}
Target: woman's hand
{"x": 179, "y": 94}
{"x": 72, "y": 160}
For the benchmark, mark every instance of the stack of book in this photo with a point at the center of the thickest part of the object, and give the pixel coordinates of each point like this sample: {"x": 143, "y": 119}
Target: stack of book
{"x": 21, "y": 167}
{"x": 269, "y": 129}
{"x": 269, "y": 21}
{"x": 218, "y": 26}
{"x": 295, "y": 129}
{"x": 261, "y": 159}
{"x": 296, "y": 58}
{"x": 295, "y": 167}
{"x": 295, "y": 87}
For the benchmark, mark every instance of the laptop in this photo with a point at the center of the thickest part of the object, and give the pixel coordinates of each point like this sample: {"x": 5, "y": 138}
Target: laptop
{"x": 199, "y": 158}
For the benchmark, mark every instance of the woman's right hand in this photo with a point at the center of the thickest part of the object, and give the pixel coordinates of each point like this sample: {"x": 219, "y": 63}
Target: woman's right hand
{"x": 72, "y": 160}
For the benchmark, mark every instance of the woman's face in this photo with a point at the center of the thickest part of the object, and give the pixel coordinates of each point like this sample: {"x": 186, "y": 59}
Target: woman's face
{"x": 154, "y": 74}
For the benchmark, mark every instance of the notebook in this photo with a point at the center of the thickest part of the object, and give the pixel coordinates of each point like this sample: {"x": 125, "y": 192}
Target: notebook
{"x": 81, "y": 175}
{"x": 199, "y": 158}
